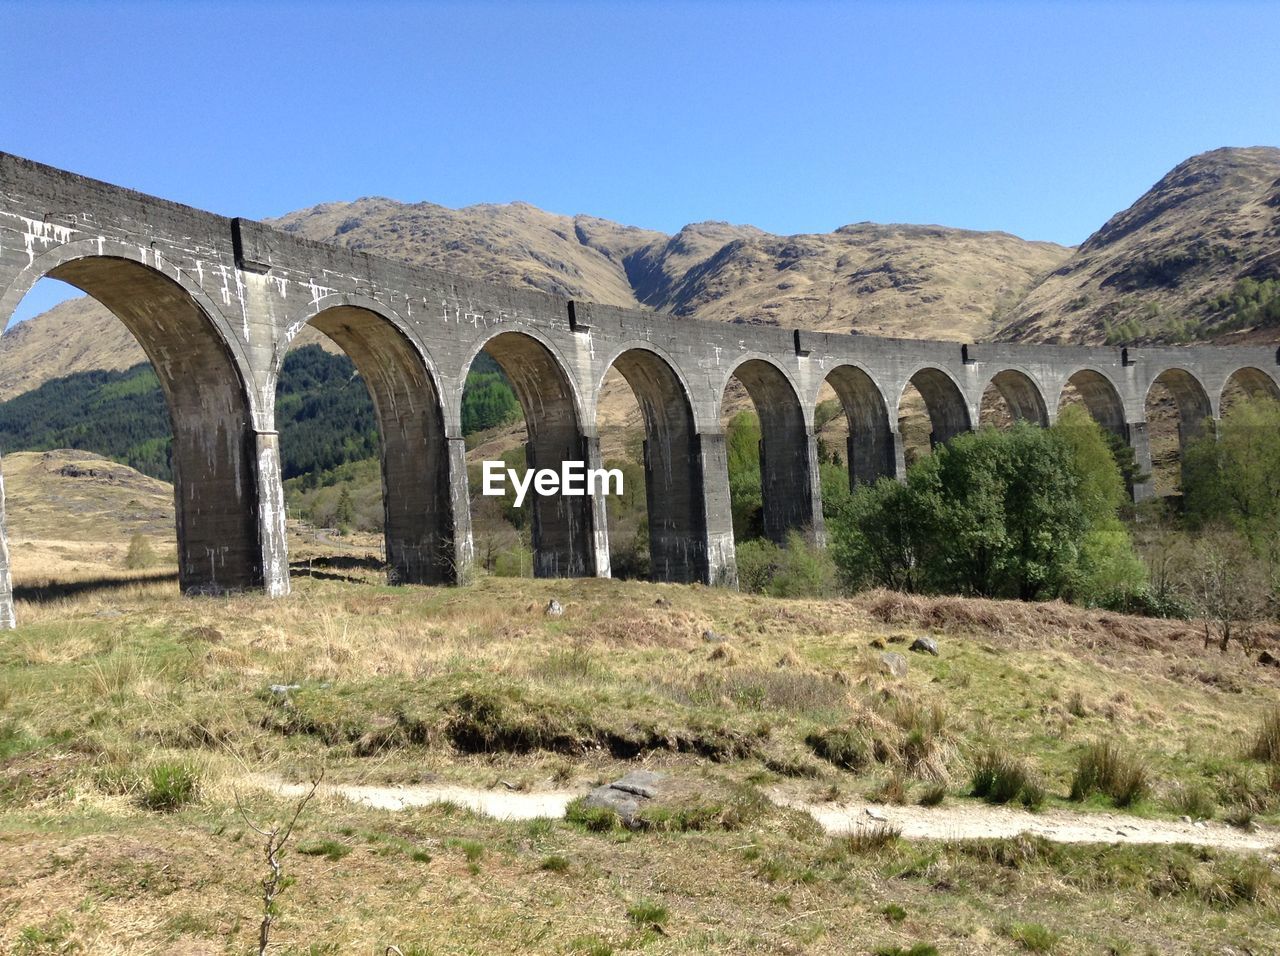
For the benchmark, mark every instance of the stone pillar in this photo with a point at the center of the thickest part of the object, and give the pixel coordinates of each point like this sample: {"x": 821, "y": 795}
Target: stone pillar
{"x": 271, "y": 515}
{"x": 712, "y": 549}
{"x": 462, "y": 549}
{"x": 7, "y": 619}
{"x": 817, "y": 525}
{"x": 787, "y": 466}
{"x": 1136, "y": 436}
{"x": 599, "y": 510}
{"x": 872, "y": 457}
{"x": 564, "y": 540}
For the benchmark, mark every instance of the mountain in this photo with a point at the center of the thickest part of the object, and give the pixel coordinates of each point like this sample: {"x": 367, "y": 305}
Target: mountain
{"x": 1197, "y": 258}
{"x": 914, "y": 281}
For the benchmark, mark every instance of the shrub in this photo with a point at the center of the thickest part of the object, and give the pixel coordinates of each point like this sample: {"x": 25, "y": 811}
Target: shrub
{"x": 1033, "y": 937}
{"x": 916, "y": 949}
{"x": 171, "y": 786}
{"x": 1192, "y": 800}
{"x": 140, "y": 554}
{"x": 555, "y": 864}
{"x": 845, "y": 748}
{"x": 999, "y": 778}
{"x": 1103, "y": 767}
{"x": 1266, "y": 745}
{"x": 933, "y": 796}
{"x": 866, "y": 839}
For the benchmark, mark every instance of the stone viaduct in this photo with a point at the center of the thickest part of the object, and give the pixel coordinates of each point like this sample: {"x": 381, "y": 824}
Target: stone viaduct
{"x": 215, "y": 303}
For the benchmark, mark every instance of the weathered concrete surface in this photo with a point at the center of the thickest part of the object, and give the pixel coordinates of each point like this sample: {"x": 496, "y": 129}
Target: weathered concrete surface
{"x": 215, "y": 303}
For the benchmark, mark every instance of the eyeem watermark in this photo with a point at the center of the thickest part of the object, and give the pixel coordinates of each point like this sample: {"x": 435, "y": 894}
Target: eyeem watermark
{"x": 574, "y": 479}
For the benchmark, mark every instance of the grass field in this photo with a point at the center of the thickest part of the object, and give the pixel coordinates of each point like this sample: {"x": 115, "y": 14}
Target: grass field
{"x": 133, "y": 719}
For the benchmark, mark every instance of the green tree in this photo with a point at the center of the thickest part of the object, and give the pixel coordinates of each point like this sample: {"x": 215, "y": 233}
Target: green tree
{"x": 344, "y": 513}
{"x": 742, "y": 449}
{"x": 1234, "y": 478}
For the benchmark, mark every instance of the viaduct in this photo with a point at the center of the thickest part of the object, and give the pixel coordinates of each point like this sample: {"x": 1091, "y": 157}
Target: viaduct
{"x": 215, "y": 303}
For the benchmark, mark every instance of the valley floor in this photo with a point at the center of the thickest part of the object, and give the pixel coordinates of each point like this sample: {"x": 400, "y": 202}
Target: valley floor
{"x": 135, "y": 723}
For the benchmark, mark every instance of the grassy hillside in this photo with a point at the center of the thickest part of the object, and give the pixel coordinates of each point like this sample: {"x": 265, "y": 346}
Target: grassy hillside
{"x": 478, "y": 686}
{"x": 136, "y": 728}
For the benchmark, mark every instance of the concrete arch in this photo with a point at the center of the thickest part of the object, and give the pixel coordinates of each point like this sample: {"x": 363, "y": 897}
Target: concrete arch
{"x": 419, "y": 523}
{"x": 1253, "y": 381}
{"x": 949, "y": 413}
{"x": 788, "y": 457}
{"x": 674, "y": 479}
{"x": 1022, "y": 393}
{"x": 565, "y": 541}
{"x": 1194, "y": 404}
{"x": 1101, "y": 398}
{"x": 223, "y": 523}
{"x": 871, "y": 448}
{"x": 49, "y": 263}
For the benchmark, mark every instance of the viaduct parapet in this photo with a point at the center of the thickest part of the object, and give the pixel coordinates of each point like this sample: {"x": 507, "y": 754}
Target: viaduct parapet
{"x": 216, "y": 302}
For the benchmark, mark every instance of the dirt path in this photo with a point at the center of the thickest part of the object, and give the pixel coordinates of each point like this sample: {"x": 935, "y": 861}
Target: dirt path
{"x": 960, "y": 821}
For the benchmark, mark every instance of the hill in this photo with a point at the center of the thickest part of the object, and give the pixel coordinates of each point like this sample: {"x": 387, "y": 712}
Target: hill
{"x": 1196, "y": 258}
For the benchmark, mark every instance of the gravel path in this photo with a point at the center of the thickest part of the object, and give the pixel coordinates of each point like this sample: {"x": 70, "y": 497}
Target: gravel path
{"x": 958, "y": 821}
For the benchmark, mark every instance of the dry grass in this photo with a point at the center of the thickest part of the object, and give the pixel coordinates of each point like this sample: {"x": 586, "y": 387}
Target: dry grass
{"x": 476, "y": 685}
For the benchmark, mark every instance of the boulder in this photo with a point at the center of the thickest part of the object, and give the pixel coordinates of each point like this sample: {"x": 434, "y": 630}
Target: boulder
{"x": 1267, "y": 659}
{"x": 711, "y": 637}
{"x": 629, "y": 796}
{"x": 925, "y": 645}
{"x": 893, "y": 664}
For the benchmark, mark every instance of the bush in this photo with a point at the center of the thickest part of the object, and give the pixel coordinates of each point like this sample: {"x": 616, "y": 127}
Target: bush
{"x": 1104, "y": 768}
{"x": 800, "y": 569}
{"x": 140, "y": 554}
{"x": 1193, "y": 800}
{"x": 999, "y": 778}
{"x": 171, "y": 786}
{"x": 844, "y": 747}
{"x": 1266, "y": 744}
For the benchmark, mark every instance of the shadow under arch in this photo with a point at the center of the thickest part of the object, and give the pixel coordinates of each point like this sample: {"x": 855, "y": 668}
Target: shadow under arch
{"x": 788, "y": 470}
{"x": 674, "y": 492}
{"x": 1194, "y": 411}
{"x": 1100, "y": 398}
{"x": 1249, "y": 382}
{"x": 1022, "y": 396}
{"x": 418, "y": 520}
{"x": 944, "y": 401}
{"x": 564, "y": 532}
{"x": 214, "y": 455}
{"x": 871, "y": 449}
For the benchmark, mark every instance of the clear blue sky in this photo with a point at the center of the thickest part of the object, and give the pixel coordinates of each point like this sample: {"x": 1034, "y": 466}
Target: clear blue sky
{"x": 1041, "y": 119}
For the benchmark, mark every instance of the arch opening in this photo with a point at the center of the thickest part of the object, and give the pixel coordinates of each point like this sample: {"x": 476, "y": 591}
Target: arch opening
{"x": 1177, "y": 410}
{"x": 931, "y": 412}
{"x": 869, "y": 444}
{"x": 403, "y": 491}
{"x": 1247, "y": 384}
{"x": 562, "y": 528}
{"x": 656, "y": 530}
{"x": 1100, "y": 398}
{"x": 1011, "y": 396}
{"x": 773, "y": 485}
{"x": 199, "y": 432}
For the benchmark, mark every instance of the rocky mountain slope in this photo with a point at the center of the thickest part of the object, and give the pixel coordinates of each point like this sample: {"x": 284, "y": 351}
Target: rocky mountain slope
{"x": 1197, "y": 258}
{"x": 916, "y": 281}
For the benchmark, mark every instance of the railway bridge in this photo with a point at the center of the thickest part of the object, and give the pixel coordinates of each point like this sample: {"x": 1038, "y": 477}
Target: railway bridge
{"x": 215, "y": 303}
